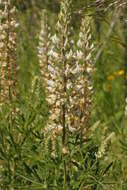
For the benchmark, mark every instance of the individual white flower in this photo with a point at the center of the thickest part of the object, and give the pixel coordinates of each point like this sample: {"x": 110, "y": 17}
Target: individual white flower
{"x": 50, "y": 126}
{"x": 51, "y": 69}
{"x": 89, "y": 36}
{"x": 90, "y": 88}
{"x": 65, "y": 150}
{"x": 58, "y": 103}
{"x": 79, "y": 43}
{"x": 40, "y": 50}
{"x": 1, "y": 45}
{"x": 72, "y": 129}
{"x": 92, "y": 46}
{"x": 50, "y": 89}
{"x": 55, "y": 39}
{"x": 72, "y": 41}
{"x": 126, "y": 110}
{"x": 67, "y": 70}
{"x": 89, "y": 69}
{"x": 69, "y": 85}
{"x": 50, "y": 83}
{"x": 59, "y": 25}
{"x": 2, "y": 37}
{"x": 13, "y": 10}
{"x": 79, "y": 54}
{"x": 79, "y": 87}
{"x": 70, "y": 54}
{"x": 53, "y": 116}
{"x": 66, "y": 42}
{"x": 81, "y": 35}
{"x": 52, "y": 97}
{"x": 52, "y": 53}
{"x": 88, "y": 56}
{"x": 76, "y": 69}
{"x": 59, "y": 127}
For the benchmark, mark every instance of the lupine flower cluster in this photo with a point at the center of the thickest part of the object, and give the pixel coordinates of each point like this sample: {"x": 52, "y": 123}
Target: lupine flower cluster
{"x": 104, "y": 145}
{"x": 100, "y": 4}
{"x": 83, "y": 83}
{"x": 118, "y": 4}
{"x": 66, "y": 68}
{"x": 43, "y": 47}
{"x": 56, "y": 66}
{"x": 8, "y": 27}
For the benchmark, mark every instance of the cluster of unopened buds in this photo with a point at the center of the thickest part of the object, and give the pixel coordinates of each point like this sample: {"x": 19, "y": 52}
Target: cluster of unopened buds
{"x": 104, "y": 145}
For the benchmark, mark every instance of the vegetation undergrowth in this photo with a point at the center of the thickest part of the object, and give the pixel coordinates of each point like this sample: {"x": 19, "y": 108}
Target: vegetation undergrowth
{"x": 63, "y": 83}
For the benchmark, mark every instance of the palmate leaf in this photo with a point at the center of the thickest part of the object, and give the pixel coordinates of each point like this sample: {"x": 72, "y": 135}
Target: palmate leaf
{"x": 123, "y": 145}
{"x": 107, "y": 168}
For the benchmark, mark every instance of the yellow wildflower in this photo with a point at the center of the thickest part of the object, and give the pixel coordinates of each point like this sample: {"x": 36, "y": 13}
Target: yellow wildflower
{"x": 121, "y": 72}
{"x": 111, "y": 77}
{"x": 65, "y": 150}
{"x": 108, "y": 87}
{"x": 115, "y": 74}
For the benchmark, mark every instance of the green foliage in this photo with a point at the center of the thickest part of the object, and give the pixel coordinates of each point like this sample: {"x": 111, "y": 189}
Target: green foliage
{"x": 31, "y": 158}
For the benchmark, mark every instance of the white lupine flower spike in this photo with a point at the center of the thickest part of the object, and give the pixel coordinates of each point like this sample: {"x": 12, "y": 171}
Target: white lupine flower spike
{"x": 66, "y": 70}
{"x": 8, "y": 66}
